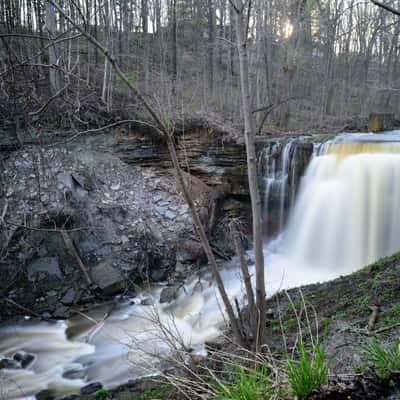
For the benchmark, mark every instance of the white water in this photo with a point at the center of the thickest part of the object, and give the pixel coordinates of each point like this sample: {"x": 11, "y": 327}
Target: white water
{"x": 347, "y": 214}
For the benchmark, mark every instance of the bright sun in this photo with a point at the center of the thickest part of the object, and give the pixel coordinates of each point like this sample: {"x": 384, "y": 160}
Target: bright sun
{"x": 287, "y": 30}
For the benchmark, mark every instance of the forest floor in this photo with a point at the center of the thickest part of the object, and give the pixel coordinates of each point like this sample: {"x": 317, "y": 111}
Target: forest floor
{"x": 343, "y": 309}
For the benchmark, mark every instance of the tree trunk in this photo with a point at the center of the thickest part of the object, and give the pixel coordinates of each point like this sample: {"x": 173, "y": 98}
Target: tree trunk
{"x": 252, "y": 174}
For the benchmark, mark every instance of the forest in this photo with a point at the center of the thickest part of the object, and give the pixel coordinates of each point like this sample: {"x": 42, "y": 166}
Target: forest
{"x": 199, "y": 199}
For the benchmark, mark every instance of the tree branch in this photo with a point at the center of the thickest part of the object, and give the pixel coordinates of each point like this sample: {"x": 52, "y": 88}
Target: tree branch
{"x": 386, "y": 7}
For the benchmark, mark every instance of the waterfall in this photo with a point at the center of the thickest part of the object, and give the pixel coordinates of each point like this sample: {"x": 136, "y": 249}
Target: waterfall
{"x": 347, "y": 213}
{"x": 278, "y": 173}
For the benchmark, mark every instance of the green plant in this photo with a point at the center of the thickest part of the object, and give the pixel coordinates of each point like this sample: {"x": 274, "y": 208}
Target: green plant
{"x": 309, "y": 372}
{"x": 383, "y": 360}
{"x": 101, "y": 394}
{"x": 158, "y": 393}
{"x": 244, "y": 385}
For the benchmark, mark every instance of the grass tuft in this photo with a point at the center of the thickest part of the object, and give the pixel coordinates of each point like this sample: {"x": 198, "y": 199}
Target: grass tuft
{"x": 244, "y": 385}
{"x": 385, "y": 361}
{"x": 309, "y": 372}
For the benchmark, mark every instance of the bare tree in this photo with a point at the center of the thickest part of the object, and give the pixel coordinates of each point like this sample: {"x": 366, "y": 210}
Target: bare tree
{"x": 242, "y": 23}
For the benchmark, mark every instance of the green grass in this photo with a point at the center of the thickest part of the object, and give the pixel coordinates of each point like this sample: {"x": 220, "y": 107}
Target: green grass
{"x": 309, "y": 372}
{"x": 244, "y": 385}
{"x": 101, "y": 394}
{"x": 155, "y": 394}
{"x": 383, "y": 360}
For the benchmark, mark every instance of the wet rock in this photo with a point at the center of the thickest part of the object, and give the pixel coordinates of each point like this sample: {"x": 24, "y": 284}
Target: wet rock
{"x": 61, "y": 312}
{"x": 8, "y": 363}
{"x": 147, "y": 302}
{"x": 75, "y": 374}
{"x": 91, "y": 388}
{"x": 68, "y": 297}
{"x": 24, "y": 359}
{"x": 168, "y": 294}
{"x": 45, "y": 395}
{"x": 46, "y": 265}
{"x": 52, "y": 300}
{"x": 109, "y": 280}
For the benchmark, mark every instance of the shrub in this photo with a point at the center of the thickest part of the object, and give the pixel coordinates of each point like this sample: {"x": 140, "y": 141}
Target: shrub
{"x": 309, "y": 372}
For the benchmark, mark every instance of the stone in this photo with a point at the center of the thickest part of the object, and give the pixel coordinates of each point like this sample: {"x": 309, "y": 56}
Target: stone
{"x": 168, "y": 294}
{"x": 91, "y": 388}
{"x": 109, "y": 280}
{"x": 8, "y": 363}
{"x": 147, "y": 302}
{"x": 45, "y": 395}
{"x": 68, "y": 297}
{"x": 75, "y": 374}
{"x": 24, "y": 359}
{"x": 160, "y": 210}
{"x": 61, "y": 312}
{"x": 170, "y": 215}
{"x": 46, "y": 265}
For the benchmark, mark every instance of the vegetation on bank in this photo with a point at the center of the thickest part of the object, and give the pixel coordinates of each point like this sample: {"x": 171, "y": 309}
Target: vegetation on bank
{"x": 333, "y": 340}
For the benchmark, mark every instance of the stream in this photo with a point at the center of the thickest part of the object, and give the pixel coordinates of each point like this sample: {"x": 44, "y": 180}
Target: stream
{"x": 345, "y": 215}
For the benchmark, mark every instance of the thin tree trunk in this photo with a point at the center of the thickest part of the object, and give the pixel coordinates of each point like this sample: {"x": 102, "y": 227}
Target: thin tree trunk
{"x": 249, "y": 130}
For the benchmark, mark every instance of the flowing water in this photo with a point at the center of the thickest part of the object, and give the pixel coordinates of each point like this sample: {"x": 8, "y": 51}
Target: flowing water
{"x": 346, "y": 214}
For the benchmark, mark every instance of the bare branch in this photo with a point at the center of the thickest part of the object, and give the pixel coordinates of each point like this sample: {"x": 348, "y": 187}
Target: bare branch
{"x": 386, "y": 7}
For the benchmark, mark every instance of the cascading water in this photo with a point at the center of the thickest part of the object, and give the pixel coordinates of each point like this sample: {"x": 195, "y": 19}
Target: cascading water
{"x": 276, "y": 177}
{"x": 346, "y": 214}
{"x": 348, "y": 211}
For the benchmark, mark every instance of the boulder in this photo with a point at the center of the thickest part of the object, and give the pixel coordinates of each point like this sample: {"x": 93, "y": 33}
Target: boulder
{"x": 109, "y": 280}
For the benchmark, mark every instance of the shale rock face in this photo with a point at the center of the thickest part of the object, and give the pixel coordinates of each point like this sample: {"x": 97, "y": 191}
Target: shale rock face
{"x": 82, "y": 223}
{"x": 122, "y": 223}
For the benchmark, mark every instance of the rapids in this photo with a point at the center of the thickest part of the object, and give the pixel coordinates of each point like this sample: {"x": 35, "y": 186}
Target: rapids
{"x": 345, "y": 215}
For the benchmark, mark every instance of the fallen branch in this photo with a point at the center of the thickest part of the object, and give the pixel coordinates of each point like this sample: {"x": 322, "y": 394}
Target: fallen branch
{"x": 372, "y": 318}
{"x": 3, "y": 214}
{"x": 12, "y": 302}
{"x": 71, "y": 248}
{"x": 386, "y": 328}
{"x": 45, "y": 105}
